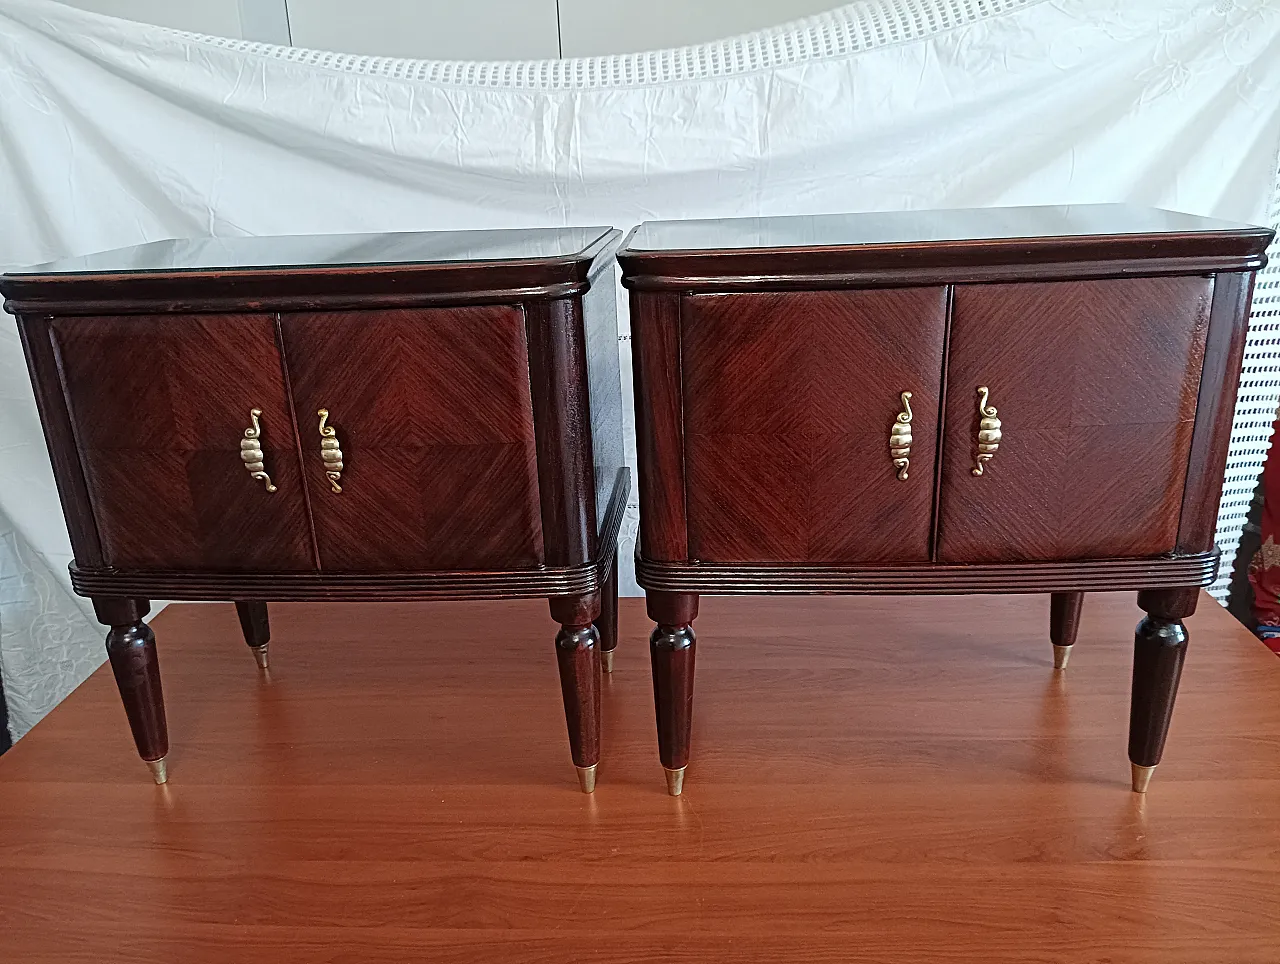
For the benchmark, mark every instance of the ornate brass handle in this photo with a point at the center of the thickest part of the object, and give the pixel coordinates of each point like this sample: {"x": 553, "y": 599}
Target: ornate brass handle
{"x": 330, "y": 451}
{"x": 900, "y": 438}
{"x": 251, "y": 451}
{"x": 988, "y": 431}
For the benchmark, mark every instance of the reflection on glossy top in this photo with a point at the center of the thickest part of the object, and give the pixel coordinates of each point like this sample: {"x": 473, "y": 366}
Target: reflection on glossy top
{"x": 907, "y": 227}
{"x": 332, "y": 250}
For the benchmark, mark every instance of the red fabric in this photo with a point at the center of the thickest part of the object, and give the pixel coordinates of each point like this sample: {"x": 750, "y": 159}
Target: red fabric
{"x": 1264, "y": 568}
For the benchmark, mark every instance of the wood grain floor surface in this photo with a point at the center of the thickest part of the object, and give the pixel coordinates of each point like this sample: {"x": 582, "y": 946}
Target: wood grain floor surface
{"x": 874, "y": 779}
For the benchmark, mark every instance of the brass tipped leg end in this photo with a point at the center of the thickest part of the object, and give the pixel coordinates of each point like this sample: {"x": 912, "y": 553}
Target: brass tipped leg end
{"x": 1142, "y": 778}
{"x": 587, "y": 778}
{"x": 606, "y": 660}
{"x": 260, "y": 655}
{"x": 1060, "y": 656}
{"x": 675, "y": 781}
{"x": 158, "y": 770}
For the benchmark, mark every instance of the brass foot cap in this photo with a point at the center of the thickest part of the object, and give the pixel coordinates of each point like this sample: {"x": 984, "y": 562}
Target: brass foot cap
{"x": 606, "y": 660}
{"x": 1060, "y": 656}
{"x": 675, "y": 781}
{"x": 158, "y": 770}
{"x": 587, "y": 778}
{"x": 1141, "y": 778}
{"x": 260, "y": 654}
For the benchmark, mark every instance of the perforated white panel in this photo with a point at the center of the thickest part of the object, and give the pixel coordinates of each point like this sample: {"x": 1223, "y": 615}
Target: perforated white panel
{"x": 858, "y": 26}
{"x": 1255, "y": 408}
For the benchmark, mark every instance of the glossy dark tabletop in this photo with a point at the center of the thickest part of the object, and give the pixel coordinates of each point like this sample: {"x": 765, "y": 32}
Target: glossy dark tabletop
{"x": 923, "y": 227}
{"x": 335, "y": 250}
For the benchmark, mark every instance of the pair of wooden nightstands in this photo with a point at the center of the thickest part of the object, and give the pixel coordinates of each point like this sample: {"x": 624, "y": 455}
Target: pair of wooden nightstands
{"x": 1002, "y": 400}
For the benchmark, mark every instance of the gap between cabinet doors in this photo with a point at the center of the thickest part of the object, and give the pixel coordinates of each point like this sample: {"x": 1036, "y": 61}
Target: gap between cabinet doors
{"x": 1101, "y": 374}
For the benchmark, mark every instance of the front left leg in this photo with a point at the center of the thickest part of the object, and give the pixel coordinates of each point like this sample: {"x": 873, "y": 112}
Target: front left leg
{"x": 1159, "y": 648}
{"x": 672, "y": 647}
{"x": 578, "y": 657}
{"x": 131, "y": 647}
{"x": 256, "y": 628}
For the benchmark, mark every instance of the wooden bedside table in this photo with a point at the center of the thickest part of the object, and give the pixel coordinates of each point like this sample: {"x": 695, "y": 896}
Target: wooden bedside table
{"x": 366, "y": 417}
{"x": 995, "y": 400}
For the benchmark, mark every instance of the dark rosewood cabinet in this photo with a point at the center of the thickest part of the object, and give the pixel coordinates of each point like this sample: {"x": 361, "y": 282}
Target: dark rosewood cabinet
{"x": 997, "y": 400}
{"x": 379, "y": 417}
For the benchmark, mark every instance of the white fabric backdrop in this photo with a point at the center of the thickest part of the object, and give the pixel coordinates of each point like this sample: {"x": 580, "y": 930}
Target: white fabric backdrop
{"x": 114, "y": 133}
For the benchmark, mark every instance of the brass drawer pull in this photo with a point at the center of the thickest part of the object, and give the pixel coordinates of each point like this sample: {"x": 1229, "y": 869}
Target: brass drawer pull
{"x": 988, "y": 431}
{"x": 251, "y": 451}
{"x": 330, "y": 451}
{"x": 900, "y": 439}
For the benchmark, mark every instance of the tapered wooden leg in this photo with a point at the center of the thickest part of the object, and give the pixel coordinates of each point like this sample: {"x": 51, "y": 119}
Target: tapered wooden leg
{"x": 578, "y": 657}
{"x": 1159, "y": 648}
{"x": 256, "y": 628}
{"x": 607, "y": 623}
{"x": 672, "y": 648}
{"x": 1064, "y": 624}
{"x": 131, "y": 647}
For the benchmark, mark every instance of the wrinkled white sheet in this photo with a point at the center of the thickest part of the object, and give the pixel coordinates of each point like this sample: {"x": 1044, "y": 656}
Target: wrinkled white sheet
{"x": 114, "y": 133}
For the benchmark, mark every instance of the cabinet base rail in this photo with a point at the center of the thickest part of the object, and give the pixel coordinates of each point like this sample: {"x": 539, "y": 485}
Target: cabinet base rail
{"x": 344, "y": 587}
{"x": 1095, "y": 575}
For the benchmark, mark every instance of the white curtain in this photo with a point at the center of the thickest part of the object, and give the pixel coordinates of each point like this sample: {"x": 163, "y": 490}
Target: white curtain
{"x": 113, "y": 133}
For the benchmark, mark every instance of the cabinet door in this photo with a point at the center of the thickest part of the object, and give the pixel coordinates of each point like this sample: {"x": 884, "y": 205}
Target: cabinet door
{"x": 1095, "y": 385}
{"x": 160, "y": 406}
{"x": 431, "y": 411}
{"x": 789, "y": 401}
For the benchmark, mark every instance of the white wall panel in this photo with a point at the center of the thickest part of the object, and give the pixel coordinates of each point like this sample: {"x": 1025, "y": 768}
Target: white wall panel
{"x": 266, "y": 21}
{"x": 466, "y": 29}
{"x": 218, "y": 17}
{"x": 591, "y": 27}
{"x": 432, "y": 29}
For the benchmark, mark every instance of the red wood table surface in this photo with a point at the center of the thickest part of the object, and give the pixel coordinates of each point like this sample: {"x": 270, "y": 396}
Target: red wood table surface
{"x": 918, "y": 786}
